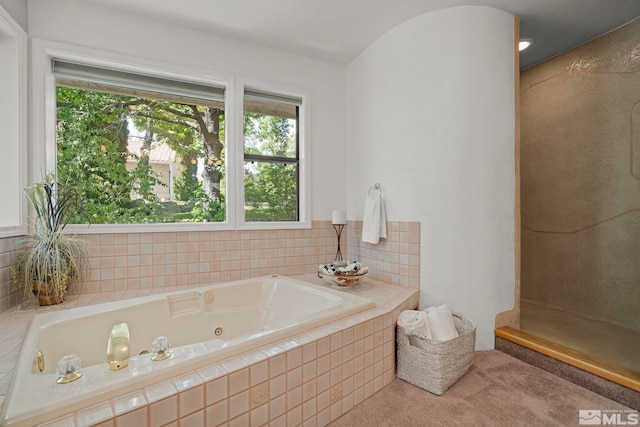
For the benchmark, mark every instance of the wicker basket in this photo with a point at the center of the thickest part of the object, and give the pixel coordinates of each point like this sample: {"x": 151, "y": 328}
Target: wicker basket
{"x": 441, "y": 364}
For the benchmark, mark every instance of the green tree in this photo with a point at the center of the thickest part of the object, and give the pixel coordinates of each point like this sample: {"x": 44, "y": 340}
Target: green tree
{"x": 271, "y": 189}
{"x": 92, "y": 150}
{"x": 186, "y": 183}
{"x": 191, "y": 130}
{"x": 92, "y": 135}
{"x": 92, "y": 155}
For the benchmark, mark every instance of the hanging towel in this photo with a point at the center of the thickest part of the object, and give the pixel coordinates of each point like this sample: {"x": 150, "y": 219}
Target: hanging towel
{"x": 374, "y": 221}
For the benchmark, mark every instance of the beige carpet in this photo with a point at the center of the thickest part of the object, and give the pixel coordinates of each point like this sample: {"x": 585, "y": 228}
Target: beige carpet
{"x": 498, "y": 390}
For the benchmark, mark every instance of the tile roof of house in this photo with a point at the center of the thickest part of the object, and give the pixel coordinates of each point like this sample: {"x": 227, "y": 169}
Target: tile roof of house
{"x": 160, "y": 153}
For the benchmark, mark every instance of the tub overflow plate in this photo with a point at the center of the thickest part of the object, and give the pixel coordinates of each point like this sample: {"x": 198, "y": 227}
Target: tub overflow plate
{"x": 208, "y": 297}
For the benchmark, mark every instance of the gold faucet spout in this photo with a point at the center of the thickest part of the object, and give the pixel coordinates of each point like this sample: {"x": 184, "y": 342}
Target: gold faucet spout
{"x": 119, "y": 347}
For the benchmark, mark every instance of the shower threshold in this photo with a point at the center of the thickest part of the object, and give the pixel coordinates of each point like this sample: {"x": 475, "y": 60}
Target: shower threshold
{"x": 603, "y": 349}
{"x": 586, "y": 362}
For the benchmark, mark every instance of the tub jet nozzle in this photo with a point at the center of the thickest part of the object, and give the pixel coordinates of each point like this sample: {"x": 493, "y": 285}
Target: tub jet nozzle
{"x": 119, "y": 348}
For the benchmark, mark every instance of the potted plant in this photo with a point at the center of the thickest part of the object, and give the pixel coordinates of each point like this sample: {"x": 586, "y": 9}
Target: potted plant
{"x": 52, "y": 259}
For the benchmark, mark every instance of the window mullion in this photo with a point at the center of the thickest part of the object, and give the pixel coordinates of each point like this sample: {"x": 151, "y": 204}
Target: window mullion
{"x": 270, "y": 159}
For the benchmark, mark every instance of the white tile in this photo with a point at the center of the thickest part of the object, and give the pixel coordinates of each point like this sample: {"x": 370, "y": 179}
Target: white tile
{"x": 233, "y": 364}
{"x": 66, "y": 421}
{"x": 187, "y": 381}
{"x": 318, "y": 333}
{"x": 271, "y": 350}
{"x": 160, "y": 391}
{"x": 129, "y": 402}
{"x": 94, "y": 415}
{"x": 253, "y": 357}
{"x": 211, "y": 372}
{"x": 303, "y": 339}
{"x": 288, "y": 344}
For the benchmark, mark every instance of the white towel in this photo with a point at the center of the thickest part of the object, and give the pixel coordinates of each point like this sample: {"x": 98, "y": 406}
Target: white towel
{"x": 443, "y": 327}
{"x": 374, "y": 221}
{"x": 415, "y": 322}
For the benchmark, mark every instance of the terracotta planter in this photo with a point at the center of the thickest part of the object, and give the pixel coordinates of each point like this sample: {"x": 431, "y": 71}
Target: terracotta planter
{"x": 44, "y": 292}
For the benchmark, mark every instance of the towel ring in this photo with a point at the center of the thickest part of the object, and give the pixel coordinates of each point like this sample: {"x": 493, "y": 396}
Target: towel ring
{"x": 375, "y": 186}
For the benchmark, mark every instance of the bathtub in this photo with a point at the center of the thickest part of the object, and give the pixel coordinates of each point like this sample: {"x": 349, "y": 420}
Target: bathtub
{"x": 204, "y": 325}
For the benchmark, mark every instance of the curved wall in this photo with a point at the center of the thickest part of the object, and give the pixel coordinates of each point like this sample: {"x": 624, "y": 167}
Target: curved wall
{"x": 430, "y": 116}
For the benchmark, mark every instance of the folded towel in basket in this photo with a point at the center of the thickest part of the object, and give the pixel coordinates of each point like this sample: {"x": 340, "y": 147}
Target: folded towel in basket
{"x": 443, "y": 327}
{"x": 415, "y": 323}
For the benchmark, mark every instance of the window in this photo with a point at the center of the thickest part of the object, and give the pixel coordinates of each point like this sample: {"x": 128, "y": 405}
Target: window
{"x": 271, "y": 157}
{"x": 13, "y": 125}
{"x": 140, "y": 149}
{"x": 163, "y": 149}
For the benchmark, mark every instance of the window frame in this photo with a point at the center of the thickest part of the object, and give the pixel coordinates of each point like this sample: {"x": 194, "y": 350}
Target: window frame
{"x": 43, "y": 146}
{"x": 16, "y": 130}
{"x": 304, "y": 172}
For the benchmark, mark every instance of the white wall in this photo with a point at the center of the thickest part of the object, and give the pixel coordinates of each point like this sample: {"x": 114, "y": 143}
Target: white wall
{"x": 87, "y": 25}
{"x": 13, "y": 124}
{"x": 18, "y": 11}
{"x": 431, "y": 118}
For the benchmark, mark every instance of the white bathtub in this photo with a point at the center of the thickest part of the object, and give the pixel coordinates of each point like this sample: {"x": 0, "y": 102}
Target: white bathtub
{"x": 251, "y": 313}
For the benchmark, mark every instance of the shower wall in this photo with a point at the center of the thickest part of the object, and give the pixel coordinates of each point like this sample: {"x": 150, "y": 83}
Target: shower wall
{"x": 580, "y": 188}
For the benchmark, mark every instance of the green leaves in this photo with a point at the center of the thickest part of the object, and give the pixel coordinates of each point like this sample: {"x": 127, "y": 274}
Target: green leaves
{"x": 271, "y": 188}
{"x": 52, "y": 256}
{"x": 92, "y": 136}
{"x": 54, "y": 204}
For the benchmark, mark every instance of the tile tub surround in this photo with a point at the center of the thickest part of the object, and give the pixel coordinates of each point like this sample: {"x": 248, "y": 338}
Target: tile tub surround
{"x": 173, "y": 260}
{"x": 395, "y": 259}
{"x": 309, "y": 379}
{"x": 9, "y": 249}
{"x": 165, "y": 262}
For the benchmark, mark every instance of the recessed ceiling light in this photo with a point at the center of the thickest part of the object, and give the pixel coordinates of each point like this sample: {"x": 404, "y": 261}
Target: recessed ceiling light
{"x": 524, "y": 44}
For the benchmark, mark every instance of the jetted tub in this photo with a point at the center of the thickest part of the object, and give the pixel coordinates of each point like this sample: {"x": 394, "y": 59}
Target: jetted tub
{"x": 247, "y": 314}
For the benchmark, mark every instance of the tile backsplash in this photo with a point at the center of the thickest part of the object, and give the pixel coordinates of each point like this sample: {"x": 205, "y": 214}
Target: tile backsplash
{"x": 9, "y": 249}
{"x": 172, "y": 260}
{"x": 395, "y": 259}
